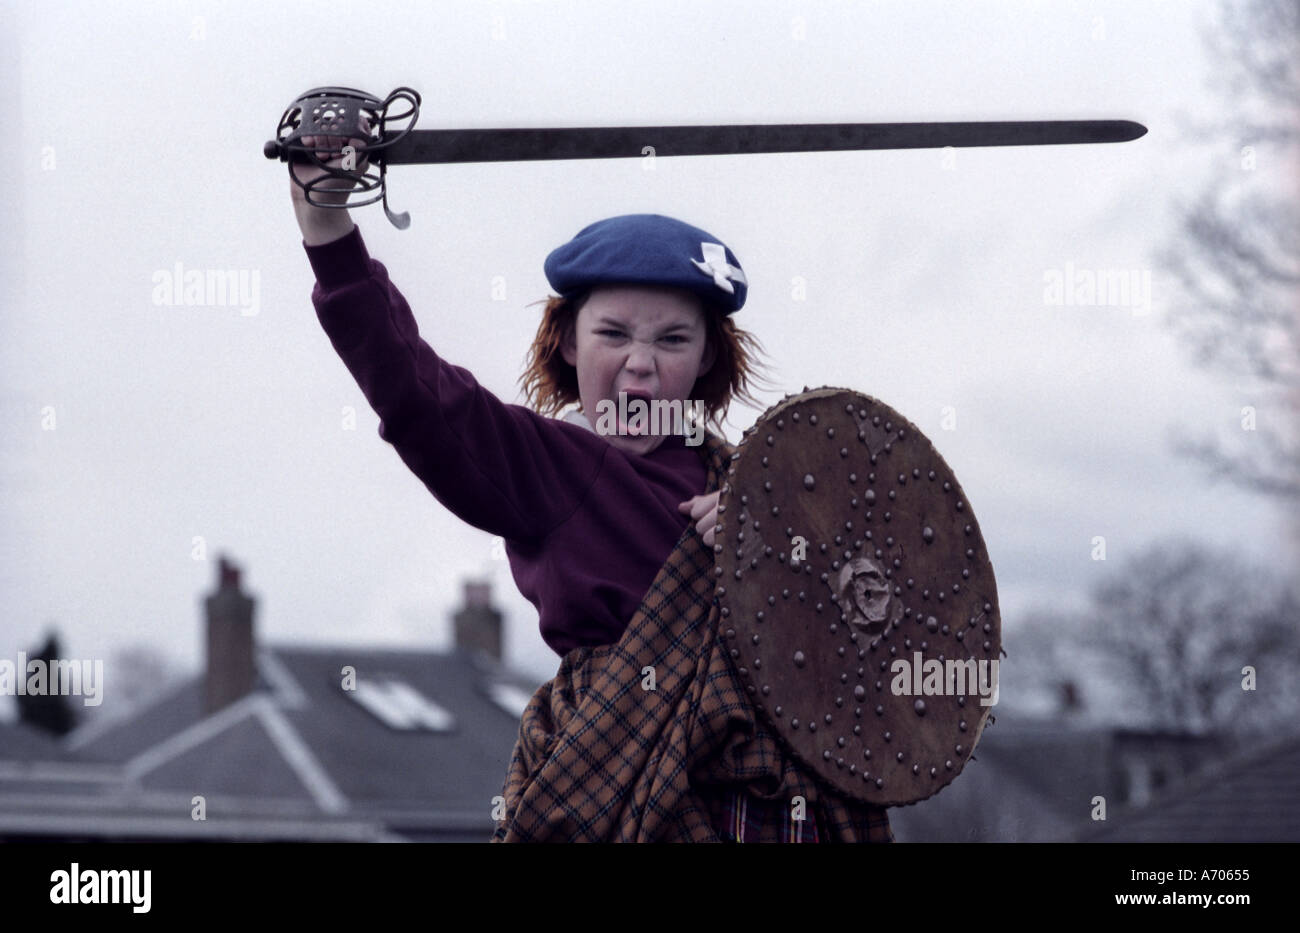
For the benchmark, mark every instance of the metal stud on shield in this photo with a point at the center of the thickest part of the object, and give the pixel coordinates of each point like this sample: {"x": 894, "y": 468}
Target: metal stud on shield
{"x": 878, "y": 668}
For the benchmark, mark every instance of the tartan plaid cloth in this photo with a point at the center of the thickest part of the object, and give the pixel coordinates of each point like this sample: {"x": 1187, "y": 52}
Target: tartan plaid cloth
{"x": 600, "y": 758}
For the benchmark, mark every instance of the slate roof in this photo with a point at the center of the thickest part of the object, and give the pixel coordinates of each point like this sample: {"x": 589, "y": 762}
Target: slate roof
{"x": 1029, "y": 782}
{"x": 1034, "y": 780}
{"x": 1252, "y": 797}
{"x": 123, "y": 734}
{"x": 20, "y": 742}
{"x": 298, "y": 758}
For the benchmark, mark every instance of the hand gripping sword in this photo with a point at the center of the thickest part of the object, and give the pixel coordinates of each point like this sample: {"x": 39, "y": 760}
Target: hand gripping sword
{"x": 386, "y": 129}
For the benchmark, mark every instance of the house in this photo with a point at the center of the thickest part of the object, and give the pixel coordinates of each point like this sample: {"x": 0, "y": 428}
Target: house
{"x": 1037, "y": 778}
{"x": 1252, "y": 797}
{"x": 312, "y": 743}
{"x": 284, "y": 743}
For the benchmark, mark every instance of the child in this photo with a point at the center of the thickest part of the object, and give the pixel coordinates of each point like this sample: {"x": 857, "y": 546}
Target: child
{"x": 590, "y": 506}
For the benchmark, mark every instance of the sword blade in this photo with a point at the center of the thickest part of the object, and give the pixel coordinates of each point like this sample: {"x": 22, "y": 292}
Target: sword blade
{"x": 515, "y": 145}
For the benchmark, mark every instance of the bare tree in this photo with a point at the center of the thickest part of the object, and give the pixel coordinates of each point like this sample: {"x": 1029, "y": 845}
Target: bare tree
{"x": 1236, "y": 256}
{"x": 139, "y": 672}
{"x": 1196, "y": 639}
{"x": 48, "y": 710}
{"x": 1041, "y": 673}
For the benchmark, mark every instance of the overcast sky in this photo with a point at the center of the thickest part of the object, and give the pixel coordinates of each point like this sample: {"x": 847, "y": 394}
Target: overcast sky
{"x": 139, "y": 129}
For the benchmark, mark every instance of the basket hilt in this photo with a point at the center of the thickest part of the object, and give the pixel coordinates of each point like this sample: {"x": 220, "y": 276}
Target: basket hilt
{"x": 346, "y": 114}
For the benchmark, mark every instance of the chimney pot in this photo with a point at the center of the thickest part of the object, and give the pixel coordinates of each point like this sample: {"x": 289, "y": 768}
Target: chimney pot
{"x": 227, "y": 575}
{"x": 478, "y": 595}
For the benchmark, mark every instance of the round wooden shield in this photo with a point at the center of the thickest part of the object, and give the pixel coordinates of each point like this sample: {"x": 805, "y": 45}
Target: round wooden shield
{"x": 857, "y": 601}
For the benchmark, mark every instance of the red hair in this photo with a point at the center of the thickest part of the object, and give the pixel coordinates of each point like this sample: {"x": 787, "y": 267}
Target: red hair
{"x": 550, "y": 383}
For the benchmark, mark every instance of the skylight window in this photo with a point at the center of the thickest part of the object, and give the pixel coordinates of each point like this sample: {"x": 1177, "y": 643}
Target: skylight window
{"x": 400, "y": 706}
{"x": 510, "y": 698}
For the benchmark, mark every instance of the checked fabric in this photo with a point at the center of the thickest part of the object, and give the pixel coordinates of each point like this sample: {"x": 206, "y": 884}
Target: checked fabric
{"x": 600, "y": 758}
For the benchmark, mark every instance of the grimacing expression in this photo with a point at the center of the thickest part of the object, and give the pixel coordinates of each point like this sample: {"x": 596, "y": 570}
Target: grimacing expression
{"x": 639, "y": 339}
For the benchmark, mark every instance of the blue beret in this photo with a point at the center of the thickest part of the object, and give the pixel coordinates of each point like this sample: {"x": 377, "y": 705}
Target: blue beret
{"x": 648, "y": 249}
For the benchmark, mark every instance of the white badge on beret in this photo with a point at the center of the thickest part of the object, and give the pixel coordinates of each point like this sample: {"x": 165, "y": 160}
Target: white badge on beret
{"x": 715, "y": 264}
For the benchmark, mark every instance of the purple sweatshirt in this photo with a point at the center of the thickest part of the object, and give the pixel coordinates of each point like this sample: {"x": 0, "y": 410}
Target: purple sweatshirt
{"x": 587, "y": 526}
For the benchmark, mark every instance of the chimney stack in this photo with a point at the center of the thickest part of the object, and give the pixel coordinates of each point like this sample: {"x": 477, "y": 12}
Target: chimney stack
{"x": 230, "y": 668}
{"x": 477, "y": 625}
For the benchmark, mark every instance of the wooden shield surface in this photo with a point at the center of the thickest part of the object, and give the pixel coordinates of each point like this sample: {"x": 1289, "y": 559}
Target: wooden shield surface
{"x": 857, "y": 599}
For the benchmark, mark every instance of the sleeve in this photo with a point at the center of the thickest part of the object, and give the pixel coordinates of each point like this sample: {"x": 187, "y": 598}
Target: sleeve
{"x": 501, "y": 468}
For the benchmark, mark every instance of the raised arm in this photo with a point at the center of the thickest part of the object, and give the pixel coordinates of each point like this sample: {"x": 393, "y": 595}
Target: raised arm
{"x": 502, "y": 468}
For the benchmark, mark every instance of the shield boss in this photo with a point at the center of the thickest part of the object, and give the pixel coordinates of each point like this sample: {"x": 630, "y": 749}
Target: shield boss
{"x": 857, "y": 601}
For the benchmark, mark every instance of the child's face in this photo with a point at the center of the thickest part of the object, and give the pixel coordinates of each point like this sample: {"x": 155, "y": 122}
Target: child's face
{"x": 637, "y": 339}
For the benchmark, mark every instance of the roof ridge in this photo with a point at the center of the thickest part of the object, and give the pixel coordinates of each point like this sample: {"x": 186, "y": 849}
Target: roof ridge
{"x": 285, "y": 687}
{"x": 88, "y": 732}
{"x": 297, "y": 754}
{"x": 190, "y": 737}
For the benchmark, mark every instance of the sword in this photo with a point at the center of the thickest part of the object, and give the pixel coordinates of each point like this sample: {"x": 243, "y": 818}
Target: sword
{"x": 615, "y": 142}
{"x": 389, "y": 138}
